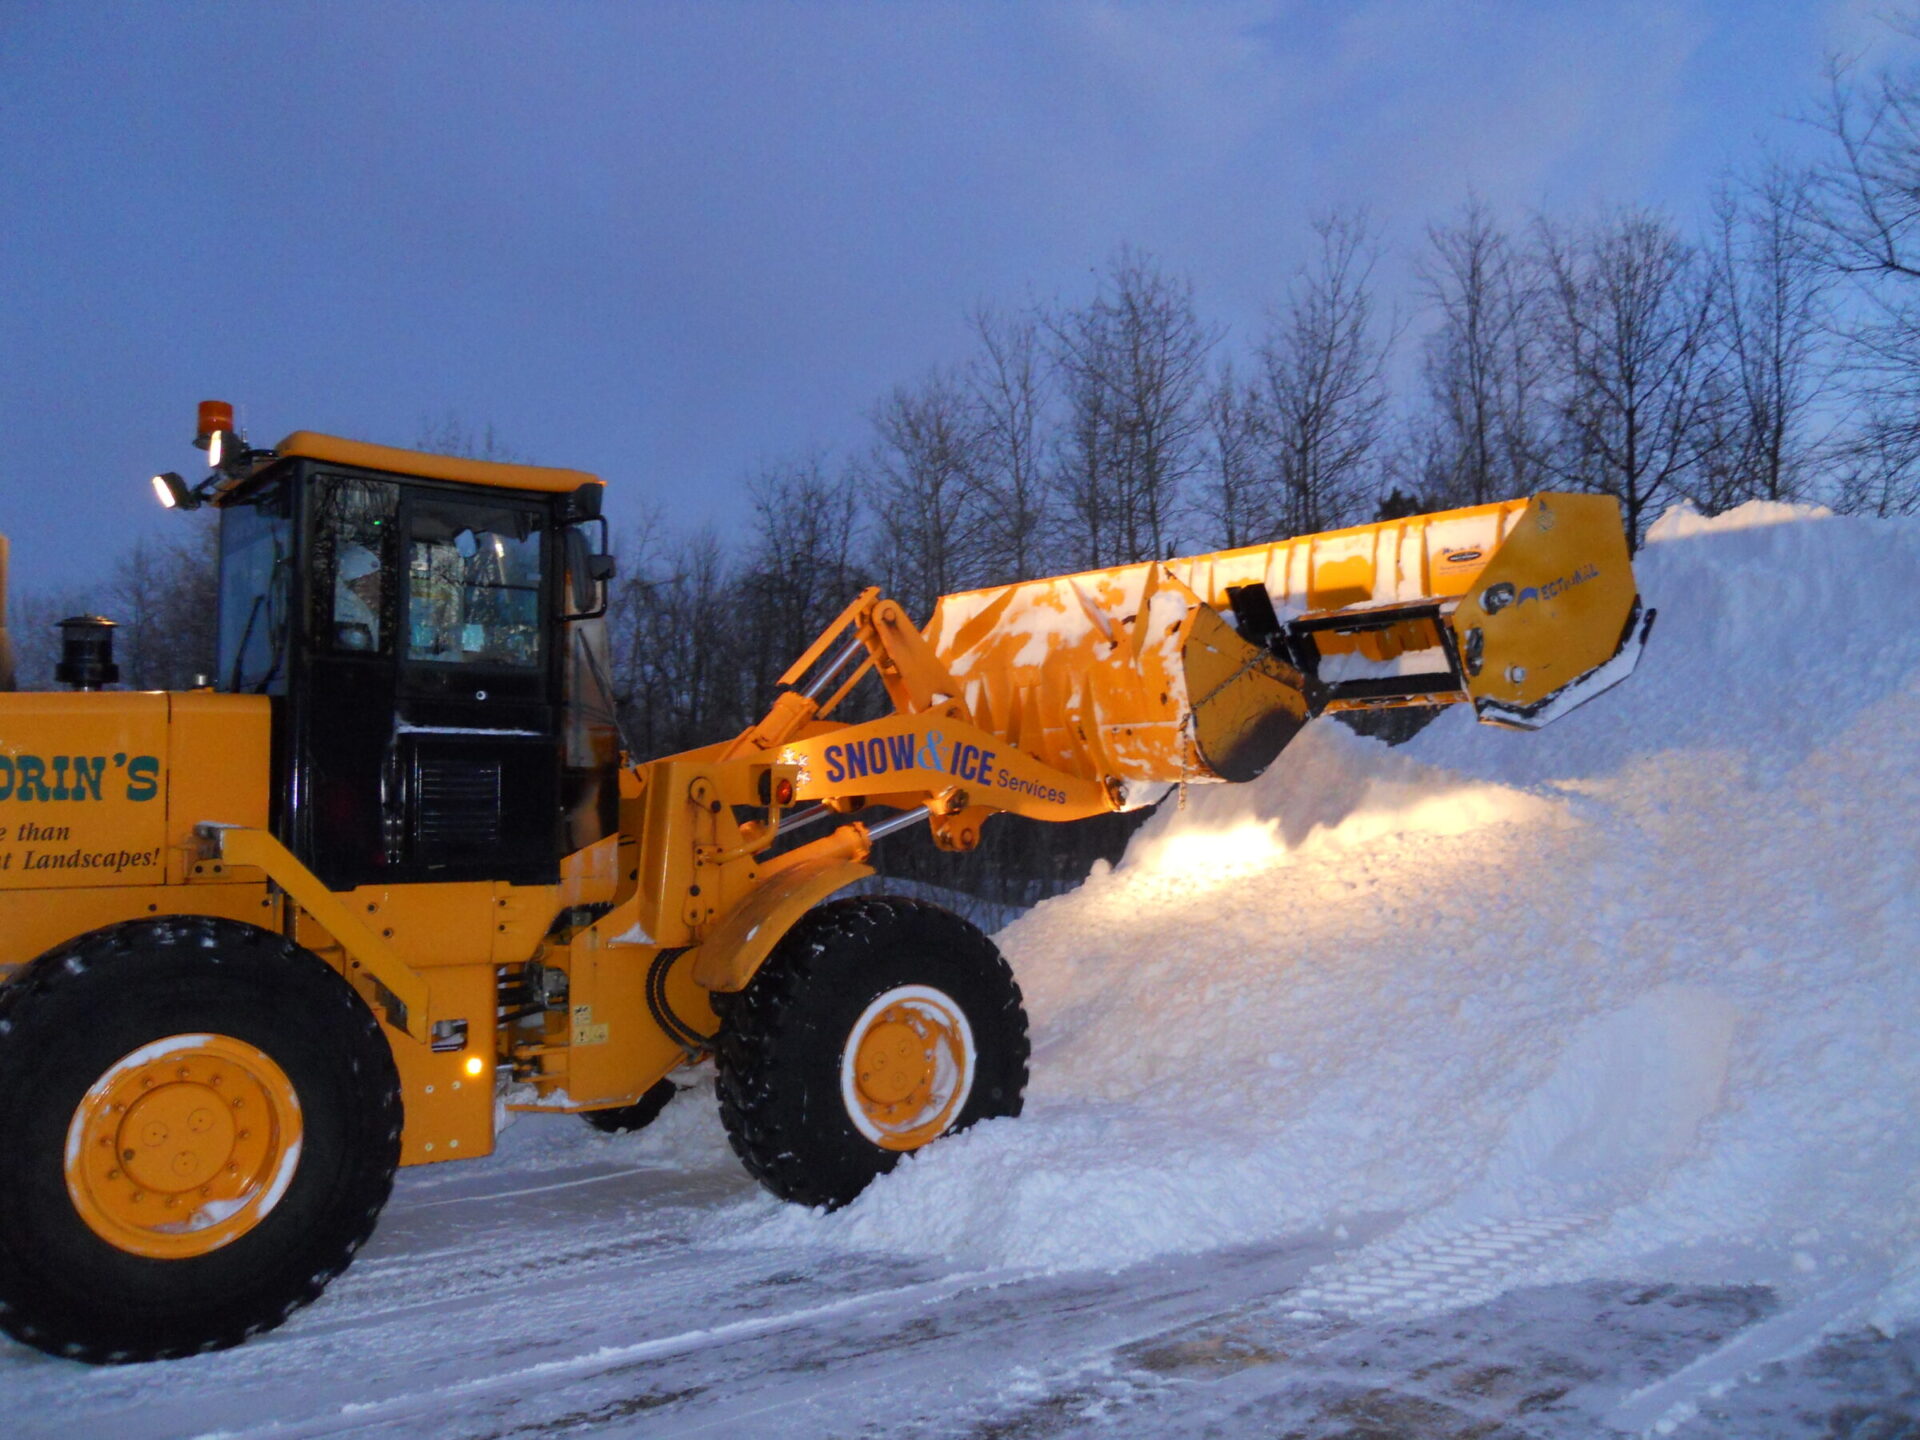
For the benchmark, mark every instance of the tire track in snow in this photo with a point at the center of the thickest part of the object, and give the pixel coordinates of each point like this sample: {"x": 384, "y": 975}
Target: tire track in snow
{"x": 444, "y": 1400}
{"x": 1424, "y": 1268}
{"x": 885, "y": 1353}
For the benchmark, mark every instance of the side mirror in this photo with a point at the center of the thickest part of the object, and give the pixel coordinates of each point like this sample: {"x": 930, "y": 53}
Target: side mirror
{"x": 589, "y": 568}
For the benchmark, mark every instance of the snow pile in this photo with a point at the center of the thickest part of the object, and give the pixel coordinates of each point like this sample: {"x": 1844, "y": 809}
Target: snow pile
{"x": 1648, "y": 980}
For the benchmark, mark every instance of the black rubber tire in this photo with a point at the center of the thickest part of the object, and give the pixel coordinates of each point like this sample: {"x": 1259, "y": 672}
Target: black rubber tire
{"x": 625, "y": 1119}
{"x": 78, "y": 1010}
{"x": 781, "y": 1039}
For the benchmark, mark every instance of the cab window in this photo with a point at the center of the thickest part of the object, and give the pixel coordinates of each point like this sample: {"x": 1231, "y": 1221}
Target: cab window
{"x": 355, "y": 609}
{"x": 473, "y": 585}
{"x": 256, "y": 589}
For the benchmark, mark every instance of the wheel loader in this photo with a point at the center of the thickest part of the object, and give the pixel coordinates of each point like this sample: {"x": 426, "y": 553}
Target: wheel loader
{"x": 265, "y": 940}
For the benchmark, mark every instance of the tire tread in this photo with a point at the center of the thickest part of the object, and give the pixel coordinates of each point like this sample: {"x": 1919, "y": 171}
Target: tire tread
{"x": 761, "y": 1021}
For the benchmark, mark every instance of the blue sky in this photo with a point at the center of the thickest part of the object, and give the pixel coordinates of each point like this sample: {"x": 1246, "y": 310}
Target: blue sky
{"x": 669, "y": 243}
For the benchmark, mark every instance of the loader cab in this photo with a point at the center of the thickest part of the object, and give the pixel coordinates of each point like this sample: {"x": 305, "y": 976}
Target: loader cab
{"x": 427, "y": 627}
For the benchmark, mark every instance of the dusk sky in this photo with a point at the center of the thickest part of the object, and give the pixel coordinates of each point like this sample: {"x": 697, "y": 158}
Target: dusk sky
{"x": 668, "y": 243}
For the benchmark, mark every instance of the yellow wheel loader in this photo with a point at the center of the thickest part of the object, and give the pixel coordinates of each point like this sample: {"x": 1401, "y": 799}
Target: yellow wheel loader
{"x": 264, "y": 941}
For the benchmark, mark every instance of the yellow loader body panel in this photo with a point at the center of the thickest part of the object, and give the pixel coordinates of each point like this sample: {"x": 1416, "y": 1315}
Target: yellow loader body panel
{"x": 105, "y": 789}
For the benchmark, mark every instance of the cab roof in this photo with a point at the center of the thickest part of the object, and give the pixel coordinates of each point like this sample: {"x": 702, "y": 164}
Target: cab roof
{"x": 332, "y": 450}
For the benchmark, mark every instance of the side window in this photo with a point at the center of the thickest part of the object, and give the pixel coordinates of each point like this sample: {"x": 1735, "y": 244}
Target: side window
{"x": 256, "y": 583}
{"x": 353, "y": 542}
{"x": 473, "y": 585}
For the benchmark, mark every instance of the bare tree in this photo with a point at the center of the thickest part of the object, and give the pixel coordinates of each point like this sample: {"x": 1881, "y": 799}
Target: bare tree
{"x": 1131, "y": 363}
{"x": 1008, "y": 389}
{"x": 923, "y": 488}
{"x": 166, "y": 598}
{"x": 1633, "y": 314}
{"x": 678, "y": 642}
{"x": 33, "y": 623}
{"x": 1485, "y": 366}
{"x": 1865, "y": 209}
{"x": 1237, "y": 497}
{"x": 450, "y": 434}
{"x": 1771, "y": 320}
{"x": 1324, "y": 368}
{"x": 1877, "y": 468}
{"x": 800, "y": 570}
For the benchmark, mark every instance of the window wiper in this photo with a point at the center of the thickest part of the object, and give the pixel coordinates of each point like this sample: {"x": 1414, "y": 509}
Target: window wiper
{"x": 282, "y": 578}
{"x": 240, "y": 650}
{"x": 280, "y": 573}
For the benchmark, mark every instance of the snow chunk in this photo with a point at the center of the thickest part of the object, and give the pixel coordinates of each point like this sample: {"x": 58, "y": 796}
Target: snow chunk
{"x": 1684, "y": 521}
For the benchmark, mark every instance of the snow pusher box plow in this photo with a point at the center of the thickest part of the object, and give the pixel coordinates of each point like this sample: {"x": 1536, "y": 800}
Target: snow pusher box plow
{"x": 263, "y": 941}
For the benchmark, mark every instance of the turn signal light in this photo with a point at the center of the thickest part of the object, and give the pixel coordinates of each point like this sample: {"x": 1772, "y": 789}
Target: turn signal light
{"x": 475, "y": 1065}
{"x": 783, "y": 792}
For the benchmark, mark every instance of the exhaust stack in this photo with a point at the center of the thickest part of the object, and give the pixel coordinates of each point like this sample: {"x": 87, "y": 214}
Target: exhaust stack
{"x": 86, "y": 653}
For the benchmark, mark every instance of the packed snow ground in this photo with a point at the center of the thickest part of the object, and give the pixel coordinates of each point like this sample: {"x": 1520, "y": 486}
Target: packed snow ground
{"x": 1540, "y": 1084}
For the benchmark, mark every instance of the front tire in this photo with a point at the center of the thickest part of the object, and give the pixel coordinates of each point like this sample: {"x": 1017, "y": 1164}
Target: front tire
{"x": 201, "y": 1122}
{"x": 876, "y": 1026}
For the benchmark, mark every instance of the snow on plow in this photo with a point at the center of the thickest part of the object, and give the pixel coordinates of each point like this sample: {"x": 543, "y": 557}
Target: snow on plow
{"x": 1204, "y": 668}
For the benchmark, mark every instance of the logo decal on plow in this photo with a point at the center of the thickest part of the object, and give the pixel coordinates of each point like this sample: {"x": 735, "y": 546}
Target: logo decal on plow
{"x": 893, "y": 754}
{"x": 1558, "y": 587}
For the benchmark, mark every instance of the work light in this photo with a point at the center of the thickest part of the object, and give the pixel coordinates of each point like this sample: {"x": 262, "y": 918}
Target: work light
{"x": 173, "y": 492}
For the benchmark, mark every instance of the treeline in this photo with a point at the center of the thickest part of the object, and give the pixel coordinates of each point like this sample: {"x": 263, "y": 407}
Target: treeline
{"x": 1772, "y": 354}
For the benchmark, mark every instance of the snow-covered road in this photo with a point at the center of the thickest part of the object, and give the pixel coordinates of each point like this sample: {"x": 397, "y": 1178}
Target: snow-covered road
{"x": 579, "y": 1284}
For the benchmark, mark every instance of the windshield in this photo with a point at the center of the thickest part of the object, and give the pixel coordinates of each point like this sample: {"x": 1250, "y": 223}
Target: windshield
{"x": 256, "y": 588}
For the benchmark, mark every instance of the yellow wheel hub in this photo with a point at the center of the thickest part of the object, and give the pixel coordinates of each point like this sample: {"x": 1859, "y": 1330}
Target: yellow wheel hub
{"x": 896, "y": 1060}
{"x": 908, "y": 1067}
{"x": 183, "y": 1146}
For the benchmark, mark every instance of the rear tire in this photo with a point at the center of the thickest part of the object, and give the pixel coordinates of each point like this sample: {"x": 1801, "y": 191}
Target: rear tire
{"x": 224, "y": 1217}
{"x": 877, "y": 1025}
{"x": 627, "y": 1118}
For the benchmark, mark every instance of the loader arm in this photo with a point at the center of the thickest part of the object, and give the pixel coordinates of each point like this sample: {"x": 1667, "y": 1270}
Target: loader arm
{"x": 1075, "y": 695}
{"x": 1047, "y": 697}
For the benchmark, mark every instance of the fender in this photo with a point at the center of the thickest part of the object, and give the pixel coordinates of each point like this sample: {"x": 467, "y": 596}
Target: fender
{"x": 729, "y": 958}
{"x": 241, "y": 846}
